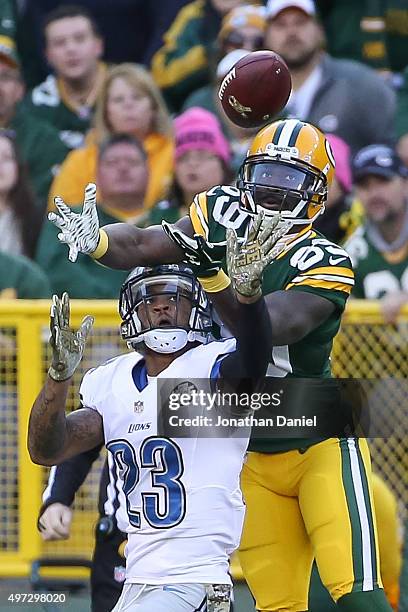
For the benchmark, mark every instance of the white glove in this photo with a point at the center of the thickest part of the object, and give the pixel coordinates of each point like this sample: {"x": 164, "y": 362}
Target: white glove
{"x": 55, "y": 522}
{"x": 246, "y": 260}
{"x": 79, "y": 231}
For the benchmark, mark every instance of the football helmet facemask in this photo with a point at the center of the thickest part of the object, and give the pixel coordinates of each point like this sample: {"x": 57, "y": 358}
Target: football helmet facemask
{"x": 287, "y": 172}
{"x": 175, "y": 282}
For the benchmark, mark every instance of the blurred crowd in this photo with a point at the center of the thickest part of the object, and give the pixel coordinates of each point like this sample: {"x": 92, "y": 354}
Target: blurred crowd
{"x": 125, "y": 94}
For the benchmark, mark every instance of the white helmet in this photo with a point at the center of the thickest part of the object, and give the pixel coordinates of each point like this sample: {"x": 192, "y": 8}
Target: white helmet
{"x": 176, "y": 280}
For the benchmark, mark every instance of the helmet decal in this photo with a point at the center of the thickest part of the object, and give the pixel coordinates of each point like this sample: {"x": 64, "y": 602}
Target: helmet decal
{"x": 275, "y": 150}
{"x": 329, "y": 152}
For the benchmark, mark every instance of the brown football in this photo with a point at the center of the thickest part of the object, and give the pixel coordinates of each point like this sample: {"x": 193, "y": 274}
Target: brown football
{"x": 256, "y": 89}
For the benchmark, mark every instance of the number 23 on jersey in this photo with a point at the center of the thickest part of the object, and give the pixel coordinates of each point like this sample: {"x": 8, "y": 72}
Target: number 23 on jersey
{"x": 164, "y": 505}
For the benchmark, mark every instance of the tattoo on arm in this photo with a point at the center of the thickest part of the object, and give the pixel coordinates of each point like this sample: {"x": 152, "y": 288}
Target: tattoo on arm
{"x": 84, "y": 430}
{"x": 54, "y": 437}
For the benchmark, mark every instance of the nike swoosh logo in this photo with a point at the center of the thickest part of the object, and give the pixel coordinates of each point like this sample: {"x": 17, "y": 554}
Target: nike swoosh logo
{"x": 335, "y": 260}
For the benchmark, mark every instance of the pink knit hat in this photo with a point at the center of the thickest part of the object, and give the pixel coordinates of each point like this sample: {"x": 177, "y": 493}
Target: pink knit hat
{"x": 197, "y": 128}
{"x": 341, "y": 152}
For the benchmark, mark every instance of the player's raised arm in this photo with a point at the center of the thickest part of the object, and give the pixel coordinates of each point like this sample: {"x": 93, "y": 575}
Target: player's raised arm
{"x": 119, "y": 245}
{"x": 246, "y": 261}
{"x": 53, "y": 437}
{"x": 293, "y": 314}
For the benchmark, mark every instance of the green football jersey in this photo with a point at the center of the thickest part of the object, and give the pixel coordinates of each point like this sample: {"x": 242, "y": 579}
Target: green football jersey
{"x": 22, "y": 278}
{"x": 308, "y": 263}
{"x": 45, "y": 101}
{"x": 376, "y": 273}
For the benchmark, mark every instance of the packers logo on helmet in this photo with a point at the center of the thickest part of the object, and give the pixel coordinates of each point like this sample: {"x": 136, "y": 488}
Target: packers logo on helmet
{"x": 287, "y": 171}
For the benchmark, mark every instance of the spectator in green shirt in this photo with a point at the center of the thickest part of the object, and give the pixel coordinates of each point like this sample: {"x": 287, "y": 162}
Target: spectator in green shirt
{"x": 8, "y": 20}
{"x": 379, "y": 248}
{"x": 22, "y": 278}
{"x": 39, "y": 143}
{"x": 122, "y": 177}
{"x": 371, "y": 31}
{"x": 66, "y": 99}
{"x": 184, "y": 61}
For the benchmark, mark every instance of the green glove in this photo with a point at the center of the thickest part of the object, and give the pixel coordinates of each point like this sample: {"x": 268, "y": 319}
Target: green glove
{"x": 67, "y": 345}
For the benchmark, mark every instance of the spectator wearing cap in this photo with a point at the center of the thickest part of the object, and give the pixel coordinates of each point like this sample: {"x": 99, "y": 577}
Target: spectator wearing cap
{"x": 122, "y": 177}
{"x": 202, "y": 160}
{"x": 379, "y": 248}
{"x": 242, "y": 28}
{"x": 339, "y": 96}
{"x": 183, "y": 63}
{"x": 39, "y": 144}
{"x": 207, "y": 97}
{"x": 242, "y": 31}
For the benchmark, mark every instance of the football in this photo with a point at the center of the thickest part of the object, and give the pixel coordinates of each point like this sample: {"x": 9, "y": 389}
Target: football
{"x": 256, "y": 89}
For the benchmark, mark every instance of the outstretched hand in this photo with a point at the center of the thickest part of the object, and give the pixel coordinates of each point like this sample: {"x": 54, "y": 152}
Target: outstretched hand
{"x": 79, "y": 231}
{"x": 67, "y": 345}
{"x": 247, "y": 259}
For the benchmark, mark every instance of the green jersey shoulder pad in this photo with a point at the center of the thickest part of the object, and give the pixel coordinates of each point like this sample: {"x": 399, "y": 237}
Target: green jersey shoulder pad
{"x": 214, "y": 211}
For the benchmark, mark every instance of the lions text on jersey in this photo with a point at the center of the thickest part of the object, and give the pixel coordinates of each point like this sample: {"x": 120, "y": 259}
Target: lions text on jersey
{"x": 180, "y": 499}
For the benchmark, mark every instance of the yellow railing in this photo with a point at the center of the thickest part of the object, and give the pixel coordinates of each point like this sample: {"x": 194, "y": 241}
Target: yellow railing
{"x": 365, "y": 347}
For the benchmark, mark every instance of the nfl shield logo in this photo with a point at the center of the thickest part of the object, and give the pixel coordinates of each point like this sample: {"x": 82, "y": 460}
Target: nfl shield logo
{"x": 138, "y": 407}
{"x": 119, "y": 573}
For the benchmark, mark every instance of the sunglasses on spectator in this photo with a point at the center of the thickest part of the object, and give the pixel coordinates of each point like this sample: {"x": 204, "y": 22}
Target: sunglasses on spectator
{"x": 238, "y": 40}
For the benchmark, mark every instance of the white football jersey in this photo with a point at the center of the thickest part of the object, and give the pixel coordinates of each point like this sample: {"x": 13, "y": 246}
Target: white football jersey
{"x": 180, "y": 499}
